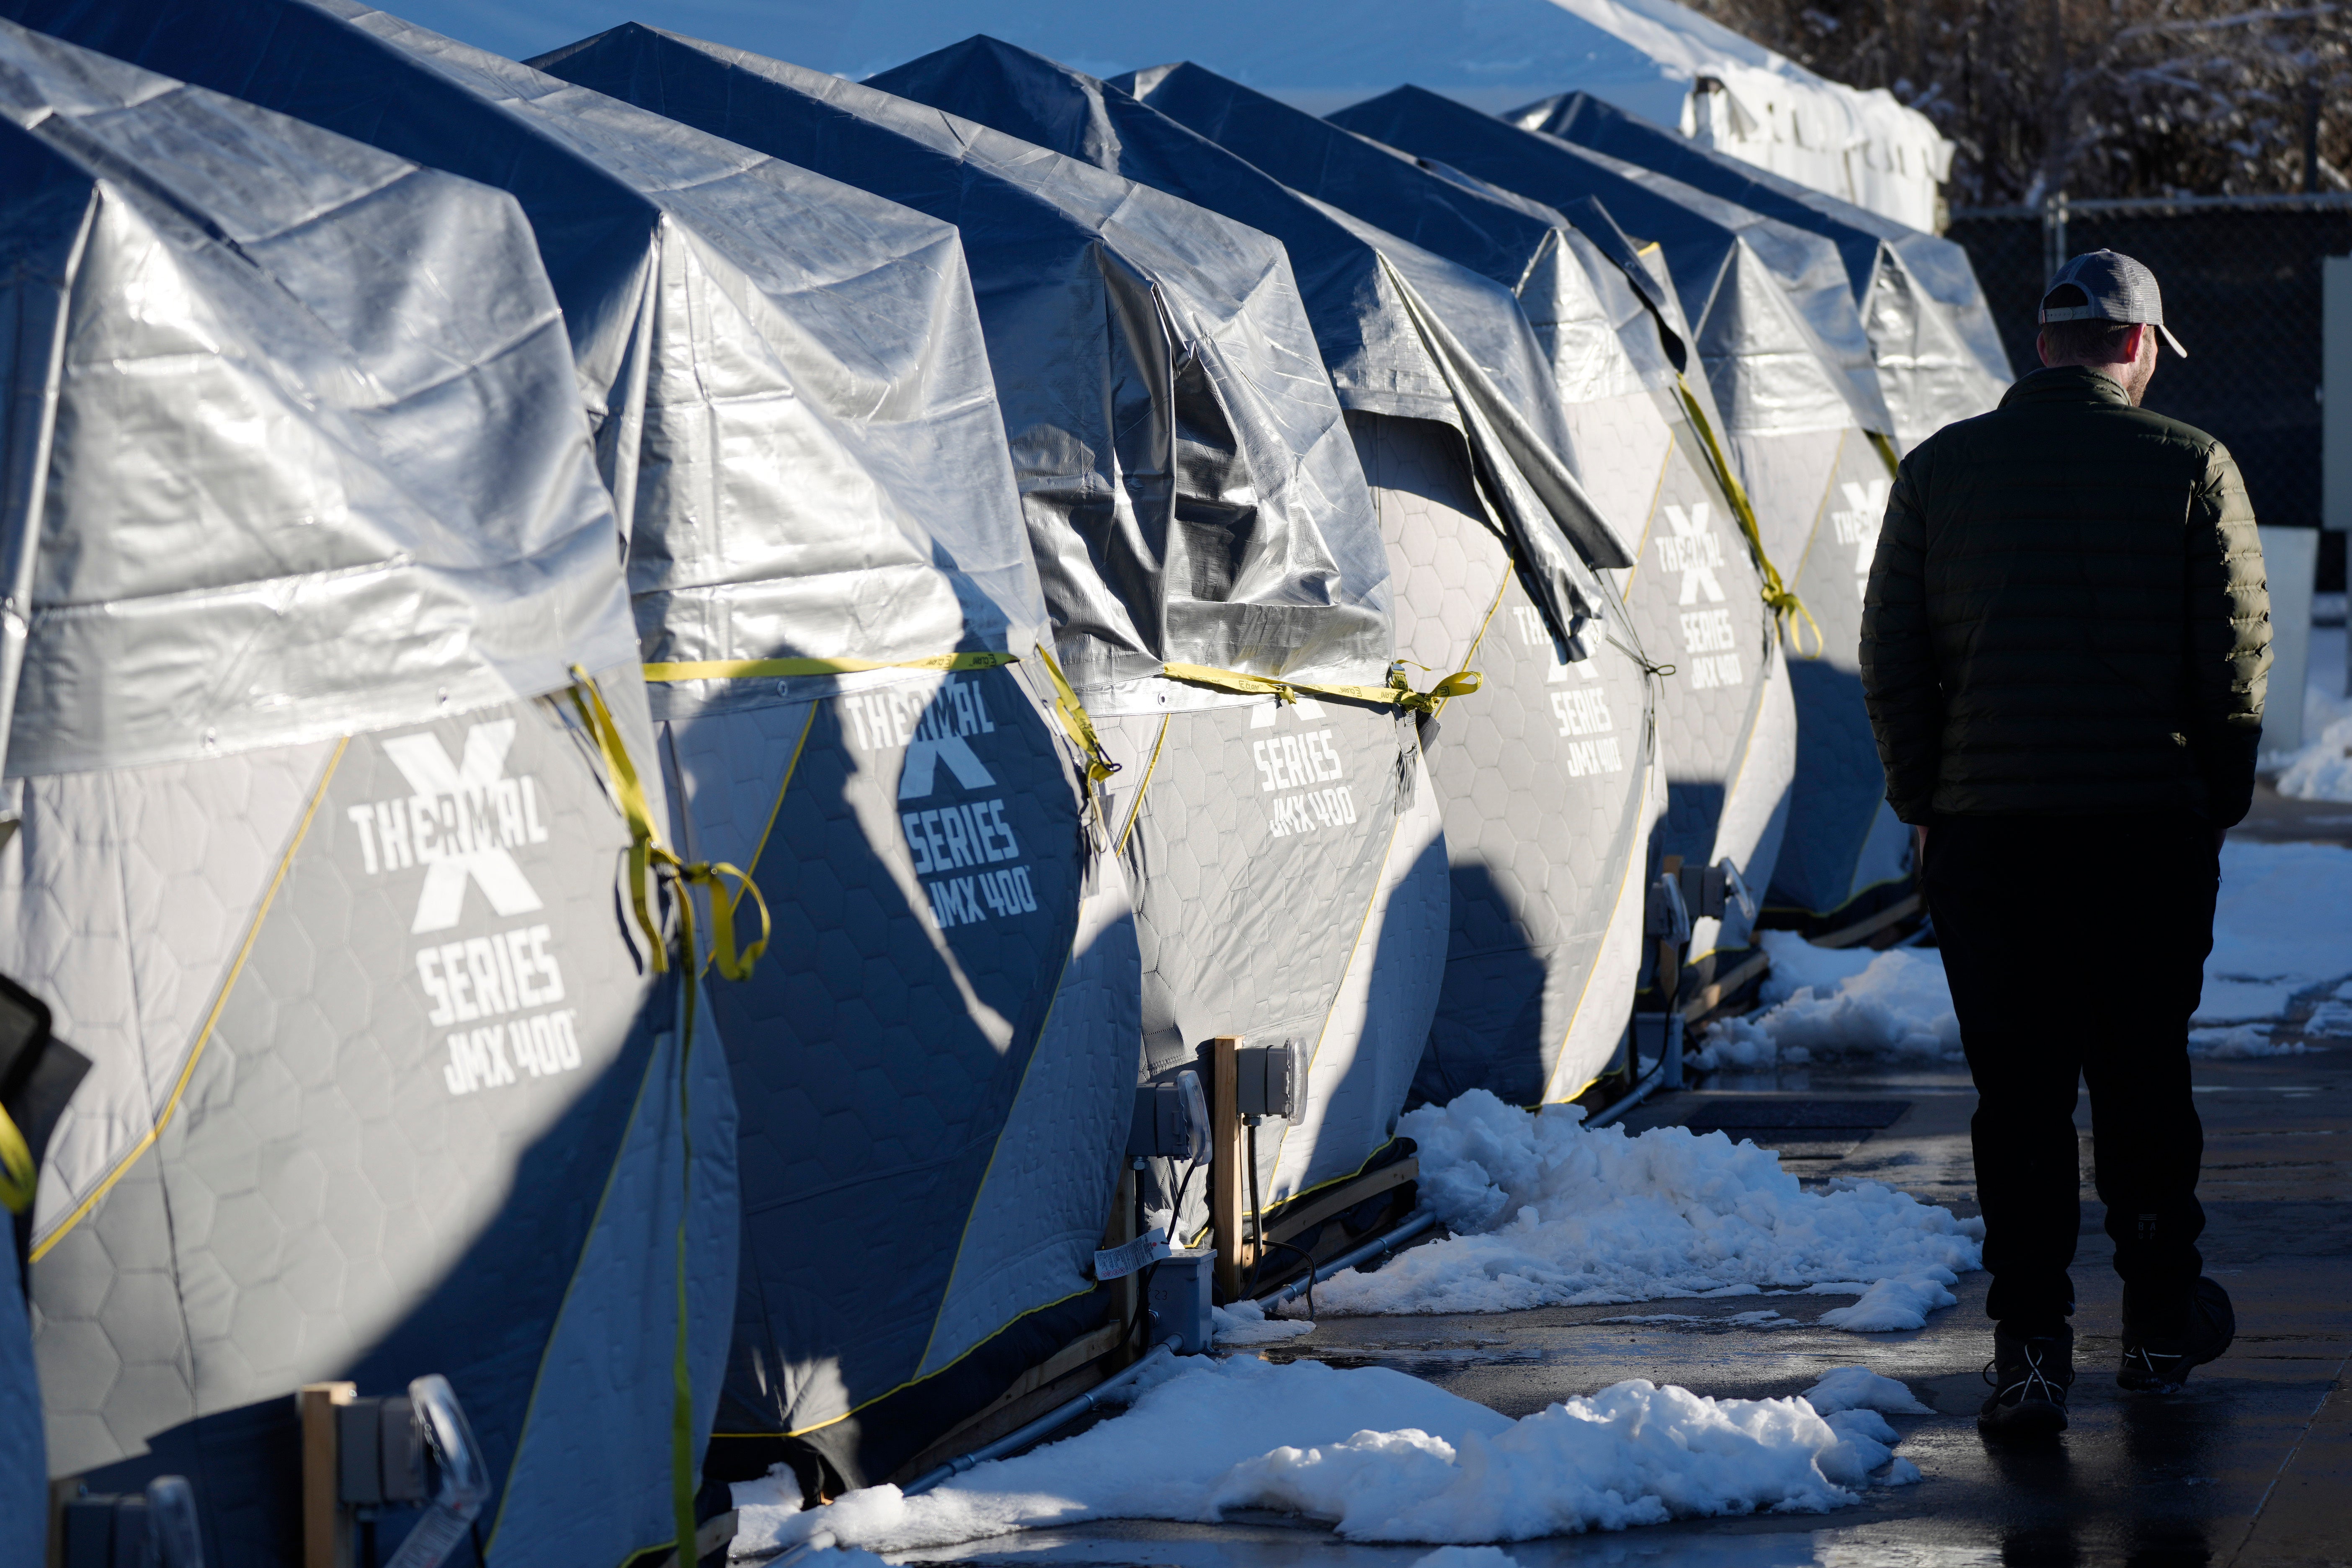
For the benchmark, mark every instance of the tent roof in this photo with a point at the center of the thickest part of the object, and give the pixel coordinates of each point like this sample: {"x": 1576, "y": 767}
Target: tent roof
{"x": 1056, "y": 245}
{"x": 295, "y": 488}
{"x": 720, "y": 302}
{"x": 1404, "y": 331}
{"x": 1938, "y": 266}
{"x": 1704, "y": 239}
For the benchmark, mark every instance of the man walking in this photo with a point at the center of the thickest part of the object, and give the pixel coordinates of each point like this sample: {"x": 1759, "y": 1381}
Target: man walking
{"x": 2064, "y": 647}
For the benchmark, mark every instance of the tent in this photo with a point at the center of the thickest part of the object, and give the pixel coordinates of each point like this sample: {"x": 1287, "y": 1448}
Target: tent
{"x": 795, "y": 402}
{"x": 1193, "y": 502}
{"x": 1664, "y": 62}
{"x": 1931, "y": 333}
{"x": 1727, "y": 727}
{"x": 321, "y": 859}
{"x": 1537, "y": 872}
{"x": 1547, "y": 893}
{"x": 1808, "y": 434}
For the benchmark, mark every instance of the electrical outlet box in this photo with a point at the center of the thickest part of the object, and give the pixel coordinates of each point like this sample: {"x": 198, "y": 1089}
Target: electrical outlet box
{"x": 1179, "y": 1301}
{"x": 1267, "y": 1079}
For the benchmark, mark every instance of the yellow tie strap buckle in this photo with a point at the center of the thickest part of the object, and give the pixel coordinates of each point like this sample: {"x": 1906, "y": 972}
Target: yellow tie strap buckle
{"x": 649, "y": 857}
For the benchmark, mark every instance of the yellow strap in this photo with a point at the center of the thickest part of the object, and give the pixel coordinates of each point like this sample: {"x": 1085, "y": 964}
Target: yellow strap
{"x": 1077, "y": 720}
{"x": 647, "y": 854}
{"x": 734, "y": 965}
{"x": 1778, "y": 597}
{"x": 773, "y": 668}
{"x": 17, "y": 1176}
{"x": 1397, "y": 692}
{"x": 643, "y": 837}
{"x": 1885, "y": 452}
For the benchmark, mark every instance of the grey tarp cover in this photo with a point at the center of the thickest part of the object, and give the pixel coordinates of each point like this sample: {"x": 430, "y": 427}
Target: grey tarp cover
{"x": 1545, "y": 775}
{"x": 1798, "y": 415}
{"x": 1182, "y": 330}
{"x": 819, "y": 470}
{"x": 1388, "y": 314}
{"x": 1939, "y": 355}
{"x": 1725, "y": 722}
{"x": 1189, "y": 499}
{"x": 326, "y": 888}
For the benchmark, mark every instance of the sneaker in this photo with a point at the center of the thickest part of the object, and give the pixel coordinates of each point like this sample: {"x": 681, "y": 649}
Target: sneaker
{"x": 2030, "y": 1378}
{"x": 2159, "y": 1363}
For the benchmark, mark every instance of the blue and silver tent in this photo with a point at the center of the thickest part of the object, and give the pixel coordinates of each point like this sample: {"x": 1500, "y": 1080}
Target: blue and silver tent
{"x": 1931, "y": 333}
{"x": 1496, "y": 547}
{"x": 1808, "y": 434}
{"x": 836, "y": 601}
{"x": 1204, "y": 533}
{"x": 322, "y": 858}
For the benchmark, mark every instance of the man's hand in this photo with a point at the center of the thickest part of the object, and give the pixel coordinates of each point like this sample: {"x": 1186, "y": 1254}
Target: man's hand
{"x": 1918, "y": 850}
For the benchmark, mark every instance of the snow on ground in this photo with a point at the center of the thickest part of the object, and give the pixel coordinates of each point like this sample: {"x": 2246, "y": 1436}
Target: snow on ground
{"x": 2322, "y": 769}
{"x": 1859, "y": 1388}
{"x": 1379, "y": 1456}
{"x": 2280, "y": 933}
{"x": 1547, "y": 1212}
{"x": 1245, "y": 1323}
{"x": 1837, "y": 1003}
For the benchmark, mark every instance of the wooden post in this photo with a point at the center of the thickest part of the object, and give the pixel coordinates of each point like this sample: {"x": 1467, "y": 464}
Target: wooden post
{"x": 1670, "y": 973}
{"x": 1226, "y": 1174}
{"x": 326, "y": 1527}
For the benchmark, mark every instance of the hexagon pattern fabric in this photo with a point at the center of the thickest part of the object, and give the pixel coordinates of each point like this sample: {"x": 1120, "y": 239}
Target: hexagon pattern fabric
{"x": 427, "y": 1112}
{"x": 935, "y": 1061}
{"x": 1823, "y": 496}
{"x": 1542, "y": 776}
{"x": 1257, "y": 837}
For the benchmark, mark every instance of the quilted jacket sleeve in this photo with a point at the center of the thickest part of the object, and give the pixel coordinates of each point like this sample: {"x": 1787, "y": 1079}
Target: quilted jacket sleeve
{"x": 1898, "y": 664}
{"x": 2229, "y": 637}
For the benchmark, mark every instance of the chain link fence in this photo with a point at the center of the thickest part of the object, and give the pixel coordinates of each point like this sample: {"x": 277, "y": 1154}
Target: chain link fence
{"x": 2241, "y": 291}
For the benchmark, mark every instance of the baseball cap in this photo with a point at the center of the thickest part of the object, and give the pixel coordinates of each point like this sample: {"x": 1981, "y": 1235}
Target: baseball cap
{"x": 2106, "y": 286}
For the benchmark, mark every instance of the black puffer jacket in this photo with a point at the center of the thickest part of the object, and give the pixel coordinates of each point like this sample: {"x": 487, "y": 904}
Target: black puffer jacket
{"x": 2067, "y": 615}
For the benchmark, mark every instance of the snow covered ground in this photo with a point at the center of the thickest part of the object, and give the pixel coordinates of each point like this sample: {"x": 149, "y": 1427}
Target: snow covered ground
{"x": 2281, "y": 944}
{"x": 1547, "y": 1212}
{"x": 2322, "y": 769}
{"x": 1380, "y": 1455}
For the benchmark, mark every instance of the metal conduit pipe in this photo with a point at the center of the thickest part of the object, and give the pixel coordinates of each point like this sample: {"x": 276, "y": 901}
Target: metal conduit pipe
{"x": 1060, "y": 1415}
{"x": 1420, "y": 1219}
{"x": 1641, "y": 1091}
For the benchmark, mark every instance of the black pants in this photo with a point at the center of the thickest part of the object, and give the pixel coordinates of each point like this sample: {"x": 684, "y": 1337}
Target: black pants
{"x": 2076, "y": 947}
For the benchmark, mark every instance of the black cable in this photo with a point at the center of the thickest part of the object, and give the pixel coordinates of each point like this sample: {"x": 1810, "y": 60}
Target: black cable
{"x": 1256, "y": 1228}
{"x": 1308, "y": 1258}
{"x": 1175, "y": 1218}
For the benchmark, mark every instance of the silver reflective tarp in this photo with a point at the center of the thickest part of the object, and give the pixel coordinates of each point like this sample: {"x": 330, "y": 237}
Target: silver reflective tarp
{"x": 739, "y": 326}
{"x": 1187, "y": 481}
{"x": 383, "y": 1082}
{"x": 280, "y": 569}
{"x": 1938, "y": 353}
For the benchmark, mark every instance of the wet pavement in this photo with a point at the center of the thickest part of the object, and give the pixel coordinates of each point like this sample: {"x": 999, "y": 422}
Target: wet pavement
{"x": 2251, "y": 1466}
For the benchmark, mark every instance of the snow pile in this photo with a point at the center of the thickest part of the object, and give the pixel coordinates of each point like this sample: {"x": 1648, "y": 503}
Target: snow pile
{"x": 1245, "y": 1323}
{"x": 2323, "y": 769}
{"x": 1832, "y": 1002}
{"x": 1859, "y": 1388}
{"x": 2279, "y": 931}
{"x": 1381, "y": 1457}
{"x": 1466, "y": 1557}
{"x": 2333, "y": 1016}
{"x": 1549, "y": 1213}
{"x": 2236, "y": 1041}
